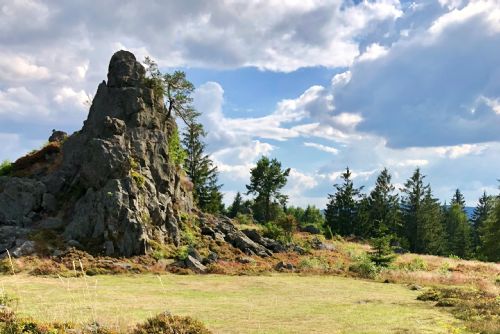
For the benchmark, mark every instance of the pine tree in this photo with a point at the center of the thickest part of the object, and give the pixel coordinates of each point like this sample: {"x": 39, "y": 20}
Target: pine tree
{"x": 430, "y": 231}
{"x": 479, "y": 216}
{"x": 383, "y": 207}
{"x": 414, "y": 194}
{"x": 266, "y": 181}
{"x": 490, "y": 234}
{"x": 458, "y": 231}
{"x": 459, "y": 199}
{"x": 382, "y": 254}
{"x": 341, "y": 210}
{"x": 199, "y": 167}
{"x": 236, "y": 207}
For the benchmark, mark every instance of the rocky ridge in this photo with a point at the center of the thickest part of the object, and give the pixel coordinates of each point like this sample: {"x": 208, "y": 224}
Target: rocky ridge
{"x": 110, "y": 188}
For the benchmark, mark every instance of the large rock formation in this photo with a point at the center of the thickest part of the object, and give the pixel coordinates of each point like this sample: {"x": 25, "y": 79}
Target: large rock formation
{"x": 113, "y": 188}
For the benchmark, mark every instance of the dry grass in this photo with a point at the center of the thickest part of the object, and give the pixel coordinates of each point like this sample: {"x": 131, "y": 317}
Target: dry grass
{"x": 281, "y": 303}
{"x": 434, "y": 270}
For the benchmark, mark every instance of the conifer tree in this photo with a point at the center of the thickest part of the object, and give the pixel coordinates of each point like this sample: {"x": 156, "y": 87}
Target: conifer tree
{"x": 236, "y": 207}
{"x": 382, "y": 254}
{"x": 199, "y": 167}
{"x": 430, "y": 231}
{"x": 266, "y": 181}
{"x": 479, "y": 216}
{"x": 414, "y": 192}
{"x": 458, "y": 231}
{"x": 384, "y": 208}
{"x": 459, "y": 199}
{"x": 490, "y": 234}
{"x": 341, "y": 210}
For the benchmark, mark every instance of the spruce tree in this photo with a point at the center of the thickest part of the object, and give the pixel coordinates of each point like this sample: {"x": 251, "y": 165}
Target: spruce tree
{"x": 341, "y": 210}
{"x": 479, "y": 216}
{"x": 430, "y": 231}
{"x": 236, "y": 207}
{"x": 383, "y": 207}
{"x": 458, "y": 231}
{"x": 414, "y": 193}
{"x": 459, "y": 199}
{"x": 201, "y": 170}
{"x": 490, "y": 234}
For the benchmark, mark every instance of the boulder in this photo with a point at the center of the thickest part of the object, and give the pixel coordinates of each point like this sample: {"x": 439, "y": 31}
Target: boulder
{"x": 283, "y": 266}
{"x": 194, "y": 265}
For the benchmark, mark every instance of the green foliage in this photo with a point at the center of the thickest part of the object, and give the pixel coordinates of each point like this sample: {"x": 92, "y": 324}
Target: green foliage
{"x": 182, "y": 252}
{"x": 175, "y": 89}
{"x": 288, "y": 224}
{"x": 341, "y": 210}
{"x": 382, "y": 254}
{"x": 422, "y": 217}
{"x": 458, "y": 231}
{"x": 236, "y": 207}
{"x": 310, "y": 216}
{"x": 176, "y": 153}
{"x": 273, "y": 231}
{"x": 171, "y": 324}
{"x": 416, "y": 264}
{"x": 313, "y": 263}
{"x": 201, "y": 170}
{"x": 490, "y": 234}
{"x": 364, "y": 267}
{"x": 479, "y": 217}
{"x": 245, "y": 219}
{"x": 5, "y": 168}
{"x": 266, "y": 181}
{"x": 384, "y": 212}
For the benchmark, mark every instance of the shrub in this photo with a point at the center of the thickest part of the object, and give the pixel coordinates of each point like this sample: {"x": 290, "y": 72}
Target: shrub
{"x": 288, "y": 224}
{"x": 171, "y": 324}
{"x": 273, "y": 231}
{"x": 364, "y": 268}
{"x": 5, "y": 168}
{"x": 182, "y": 253}
{"x": 313, "y": 263}
{"x": 245, "y": 219}
{"x": 416, "y": 264}
{"x": 177, "y": 154}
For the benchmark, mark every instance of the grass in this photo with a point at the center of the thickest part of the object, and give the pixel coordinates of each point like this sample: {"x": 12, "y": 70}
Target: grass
{"x": 281, "y": 303}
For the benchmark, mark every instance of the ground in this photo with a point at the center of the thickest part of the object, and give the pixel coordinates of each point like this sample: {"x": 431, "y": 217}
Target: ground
{"x": 275, "y": 303}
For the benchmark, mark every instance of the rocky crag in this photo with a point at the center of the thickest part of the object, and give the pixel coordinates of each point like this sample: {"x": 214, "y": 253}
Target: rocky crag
{"x": 110, "y": 188}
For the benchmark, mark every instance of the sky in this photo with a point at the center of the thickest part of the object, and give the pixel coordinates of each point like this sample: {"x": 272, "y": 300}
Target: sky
{"x": 318, "y": 84}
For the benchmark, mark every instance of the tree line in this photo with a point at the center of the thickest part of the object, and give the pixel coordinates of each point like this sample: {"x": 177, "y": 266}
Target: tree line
{"x": 412, "y": 220}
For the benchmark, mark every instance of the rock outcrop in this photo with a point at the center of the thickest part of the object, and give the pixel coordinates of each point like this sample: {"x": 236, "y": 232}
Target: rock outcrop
{"x": 114, "y": 189}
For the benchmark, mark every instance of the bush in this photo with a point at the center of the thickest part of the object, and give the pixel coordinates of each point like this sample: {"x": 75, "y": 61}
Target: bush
{"x": 5, "y": 168}
{"x": 273, "y": 231}
{"x": 177, "y": 154}
{"x": 171, "y": 324}
{"x": 244, "y": 219}
{"x": 416, "y": 264}
{"x": 364, "y": 268}
{"x": 288, "y": 224}
{"x": 313, "y": 263}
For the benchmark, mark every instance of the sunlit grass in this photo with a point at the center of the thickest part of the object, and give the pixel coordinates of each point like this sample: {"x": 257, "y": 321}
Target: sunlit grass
{"x": 232, "y": 304}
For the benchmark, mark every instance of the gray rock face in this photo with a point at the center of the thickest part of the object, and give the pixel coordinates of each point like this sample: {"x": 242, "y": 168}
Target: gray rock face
{"x": 116, "y": 188}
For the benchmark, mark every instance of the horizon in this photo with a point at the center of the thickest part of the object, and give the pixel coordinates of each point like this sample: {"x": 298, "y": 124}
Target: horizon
{"x": 318, "y": 85}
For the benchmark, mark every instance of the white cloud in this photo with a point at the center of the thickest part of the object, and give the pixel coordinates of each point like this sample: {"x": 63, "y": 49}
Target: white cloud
{"x": 323, "y": 148}
{"x": 372, "y": 52}
{"x": 15, "y": 68}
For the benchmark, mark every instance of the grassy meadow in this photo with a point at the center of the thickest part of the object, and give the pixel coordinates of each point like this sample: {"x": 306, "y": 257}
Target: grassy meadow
{"x": 276, "y": 303}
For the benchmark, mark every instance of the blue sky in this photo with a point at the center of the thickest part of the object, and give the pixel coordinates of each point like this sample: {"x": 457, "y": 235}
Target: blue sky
{"x": 318, "y": 84}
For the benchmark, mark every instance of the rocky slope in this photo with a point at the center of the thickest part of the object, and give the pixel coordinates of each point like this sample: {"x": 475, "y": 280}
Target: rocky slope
{"x": 110, "y": 188}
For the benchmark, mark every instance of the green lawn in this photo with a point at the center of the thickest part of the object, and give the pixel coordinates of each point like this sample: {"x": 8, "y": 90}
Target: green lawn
{"x": 232, "y": 304}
